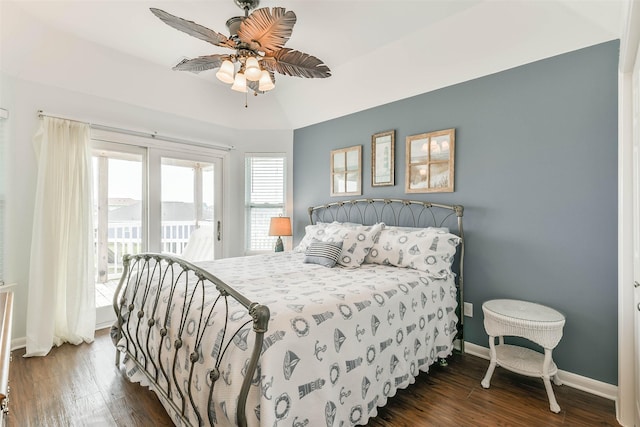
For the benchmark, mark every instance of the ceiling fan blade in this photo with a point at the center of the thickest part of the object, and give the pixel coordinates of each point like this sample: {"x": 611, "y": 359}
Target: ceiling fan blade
{"x": 193, "y": 29}
{"x": 267, "y": 30}
{"x": 295, "y": 63}
{"x": 201, "y": 63}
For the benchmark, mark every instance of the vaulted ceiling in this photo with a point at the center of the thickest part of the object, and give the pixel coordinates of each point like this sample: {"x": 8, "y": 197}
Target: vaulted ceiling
{"x": 378, "y": 51}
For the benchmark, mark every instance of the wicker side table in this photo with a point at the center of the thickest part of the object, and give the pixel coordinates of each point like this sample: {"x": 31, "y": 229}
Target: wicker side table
{"x": 535, "y": 322}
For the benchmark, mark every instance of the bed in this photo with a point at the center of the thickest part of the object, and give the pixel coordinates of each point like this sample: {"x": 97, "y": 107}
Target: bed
{"x": 285, "y": 339}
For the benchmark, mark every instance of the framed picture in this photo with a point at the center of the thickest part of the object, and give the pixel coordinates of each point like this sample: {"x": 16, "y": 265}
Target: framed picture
{"x": 346, "y": 171}
{"x": 382, "y": 158}
{"x": 430, "y": 162}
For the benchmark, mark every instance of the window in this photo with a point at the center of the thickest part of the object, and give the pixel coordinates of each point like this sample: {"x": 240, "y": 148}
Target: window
{"x": 264, "y": 198}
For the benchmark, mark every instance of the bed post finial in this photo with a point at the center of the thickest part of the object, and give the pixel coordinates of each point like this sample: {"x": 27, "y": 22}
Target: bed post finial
{"x": 459, "y": 209}
{"x": 260, "y": 314}
{"x": 310, "y": 211}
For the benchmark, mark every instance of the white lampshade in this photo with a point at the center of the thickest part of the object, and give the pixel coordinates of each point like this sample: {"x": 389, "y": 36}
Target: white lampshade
{"x": 225, "y": 73}
{"x": 265, "y": 83}
{"x": 240, "y": 83}
{"x": 252, "y": 69}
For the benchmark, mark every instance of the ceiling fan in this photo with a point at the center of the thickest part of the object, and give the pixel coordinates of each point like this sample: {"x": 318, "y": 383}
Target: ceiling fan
{"x": 258, "y": 40}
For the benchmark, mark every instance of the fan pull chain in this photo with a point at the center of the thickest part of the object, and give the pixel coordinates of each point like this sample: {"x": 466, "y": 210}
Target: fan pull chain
{"x": 246, "y": 102}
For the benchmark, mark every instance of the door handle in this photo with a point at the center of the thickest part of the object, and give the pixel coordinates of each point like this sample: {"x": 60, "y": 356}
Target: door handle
{"x": 639, "y": 306}
{"x": 635, "y": 284}
{"x": 219, "y": 232}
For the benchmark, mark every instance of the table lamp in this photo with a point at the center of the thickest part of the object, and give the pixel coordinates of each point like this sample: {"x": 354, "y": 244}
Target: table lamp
{"x": 280, "y": 226}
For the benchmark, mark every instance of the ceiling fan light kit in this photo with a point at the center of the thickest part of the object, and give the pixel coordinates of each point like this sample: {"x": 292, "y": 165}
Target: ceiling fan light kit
{"x": 226, "y": 71}
{"x": 239, "y": 83}
{"x": 258, "y": 39}
{"x": 265, "y": 84}
{"x": 251, "y": 69}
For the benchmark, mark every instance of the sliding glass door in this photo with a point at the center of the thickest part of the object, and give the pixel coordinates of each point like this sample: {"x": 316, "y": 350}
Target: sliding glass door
{"x": 119, "y": 206}
{"x": 188, "y": 189}
{"x": 148, "y": 199}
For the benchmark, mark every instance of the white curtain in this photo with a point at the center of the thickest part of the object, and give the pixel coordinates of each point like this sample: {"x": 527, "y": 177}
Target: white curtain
{"x": 61, "y": 305}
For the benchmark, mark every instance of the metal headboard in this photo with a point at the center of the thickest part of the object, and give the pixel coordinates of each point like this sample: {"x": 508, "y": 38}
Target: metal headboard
{"x": 405, "y": 213}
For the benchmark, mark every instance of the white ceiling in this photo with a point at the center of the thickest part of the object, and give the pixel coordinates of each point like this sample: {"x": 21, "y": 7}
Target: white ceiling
{"x": 378, "y": 51}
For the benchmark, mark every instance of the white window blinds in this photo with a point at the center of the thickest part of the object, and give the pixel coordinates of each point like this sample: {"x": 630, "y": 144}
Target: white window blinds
{"x": 265, "y": 181}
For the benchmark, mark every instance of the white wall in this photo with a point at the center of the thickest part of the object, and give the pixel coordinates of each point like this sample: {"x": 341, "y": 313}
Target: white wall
{"x": 33, "y": 51}
{"x": 23, "y": 99}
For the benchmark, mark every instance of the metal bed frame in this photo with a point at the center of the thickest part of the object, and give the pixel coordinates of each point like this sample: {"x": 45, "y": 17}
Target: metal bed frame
{"x": 408, "y": 213}
{"x": 143, "y": 271}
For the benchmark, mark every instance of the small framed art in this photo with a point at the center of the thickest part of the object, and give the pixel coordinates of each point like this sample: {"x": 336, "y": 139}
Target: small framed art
{"x": 346, "y": 171}
{"x": 430, "y": 162}
{"x": 382, "y": 158}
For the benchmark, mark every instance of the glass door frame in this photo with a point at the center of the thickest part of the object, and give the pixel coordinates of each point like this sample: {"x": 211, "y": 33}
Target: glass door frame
{"x": 152, "y": 151}
{"x": 102, "y": 146}
{"x": 155, "y": 150}
{"x": 155, "y": 192}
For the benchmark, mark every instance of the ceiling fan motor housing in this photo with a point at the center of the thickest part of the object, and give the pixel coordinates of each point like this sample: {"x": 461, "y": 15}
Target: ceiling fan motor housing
{"x": 247, "y": 5}
{"x": 233, "y": 24}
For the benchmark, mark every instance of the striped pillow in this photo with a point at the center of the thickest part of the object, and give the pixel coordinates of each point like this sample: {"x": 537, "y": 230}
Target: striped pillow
{"x": 323, "y": 253}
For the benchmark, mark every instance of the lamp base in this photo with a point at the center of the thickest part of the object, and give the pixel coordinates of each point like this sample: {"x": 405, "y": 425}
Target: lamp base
{"x": 279, "y": 245}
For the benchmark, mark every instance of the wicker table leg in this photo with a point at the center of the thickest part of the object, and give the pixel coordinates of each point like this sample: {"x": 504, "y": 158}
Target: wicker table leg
{"x": 553, "y": 404}
{"x": 486, "y": 381}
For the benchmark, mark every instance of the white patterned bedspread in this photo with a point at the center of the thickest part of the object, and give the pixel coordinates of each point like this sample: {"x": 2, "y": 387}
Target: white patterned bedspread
{"x": 340, "y": 341}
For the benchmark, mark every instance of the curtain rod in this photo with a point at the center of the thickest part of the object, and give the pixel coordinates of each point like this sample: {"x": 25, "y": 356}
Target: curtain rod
{"x": 152, "y": 135}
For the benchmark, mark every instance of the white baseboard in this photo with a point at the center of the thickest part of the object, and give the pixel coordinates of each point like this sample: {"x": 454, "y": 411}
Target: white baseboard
{"x": 18, "y": 343}
{"x": 598, "y": 388}
{"x": 105, "y": 324}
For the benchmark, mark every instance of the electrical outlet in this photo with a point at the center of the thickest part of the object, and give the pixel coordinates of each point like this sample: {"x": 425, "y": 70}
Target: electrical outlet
{"x": 468, "y": 309}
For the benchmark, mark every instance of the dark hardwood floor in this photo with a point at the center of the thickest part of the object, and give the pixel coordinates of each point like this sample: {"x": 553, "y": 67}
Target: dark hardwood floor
{"x": 80, "y": 386}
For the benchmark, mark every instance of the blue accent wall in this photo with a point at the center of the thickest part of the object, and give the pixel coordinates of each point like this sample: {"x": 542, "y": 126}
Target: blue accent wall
{"x": 536, "y": 170}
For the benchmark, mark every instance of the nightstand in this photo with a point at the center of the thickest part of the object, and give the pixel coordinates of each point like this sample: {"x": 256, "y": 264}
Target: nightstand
{"x": 535, "y": 322}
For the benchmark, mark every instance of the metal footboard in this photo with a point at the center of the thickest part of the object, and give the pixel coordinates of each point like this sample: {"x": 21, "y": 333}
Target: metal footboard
{"x": 138, "y": 294}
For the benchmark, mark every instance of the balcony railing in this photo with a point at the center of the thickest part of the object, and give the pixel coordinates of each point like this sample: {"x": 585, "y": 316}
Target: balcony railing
{"x": 126, "y": 238}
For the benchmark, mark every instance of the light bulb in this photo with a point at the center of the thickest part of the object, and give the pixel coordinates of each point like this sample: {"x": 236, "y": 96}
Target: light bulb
{"x": 266, "y": 83}
{"x": 225, "y": 73}
{"x": 240, "y": 83}
{"x": 252, "y": 69}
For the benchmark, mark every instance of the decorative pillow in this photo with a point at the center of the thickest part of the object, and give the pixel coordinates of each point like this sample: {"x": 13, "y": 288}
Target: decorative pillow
{"x": 311, "y": 232}
{"x": 427, "y": 249}
{"x": 323, "y": 253}
{"x": 357, "y": 241}
{"x": 317, "y": 231}
{"x": 396, "y": 227}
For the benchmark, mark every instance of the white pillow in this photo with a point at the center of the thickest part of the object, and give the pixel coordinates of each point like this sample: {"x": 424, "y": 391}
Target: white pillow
{"x": 357, "y": 241}
{"x": 316, "y": 231}
{"x": 396, "y": 227}
{"x": 427, "y": 249}
{"x": 311, "y": 232}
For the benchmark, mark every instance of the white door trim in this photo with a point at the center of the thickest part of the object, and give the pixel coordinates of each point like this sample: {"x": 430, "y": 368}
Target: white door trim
{"x": 626, "y": 350}
{"x": 627, "y": 411}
